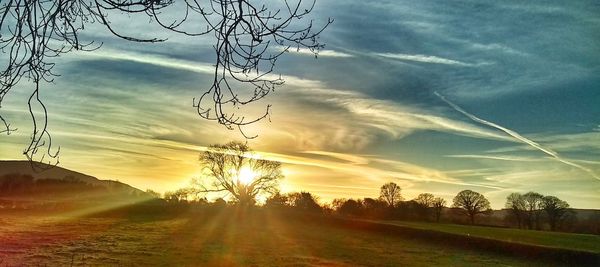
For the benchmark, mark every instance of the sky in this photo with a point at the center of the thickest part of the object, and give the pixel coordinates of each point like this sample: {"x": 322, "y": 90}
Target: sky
{"x": 436, "y": 96}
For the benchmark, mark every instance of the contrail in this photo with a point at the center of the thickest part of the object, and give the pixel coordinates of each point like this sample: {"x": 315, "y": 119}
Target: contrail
{"x": 519, "y": 137}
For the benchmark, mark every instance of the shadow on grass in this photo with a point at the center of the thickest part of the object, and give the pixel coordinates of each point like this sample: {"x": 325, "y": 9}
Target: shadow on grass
{"x": 227, "y": 230}
{"x": 531, "y": 252}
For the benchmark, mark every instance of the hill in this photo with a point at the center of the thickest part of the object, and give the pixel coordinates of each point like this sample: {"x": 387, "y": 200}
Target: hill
{"x": 23, "y": 186}
{"x": 57, "y": 172}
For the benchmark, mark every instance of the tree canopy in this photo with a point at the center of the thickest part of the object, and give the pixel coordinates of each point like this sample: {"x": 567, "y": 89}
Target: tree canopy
{"x": 533, "y": 206}
{"x": 515, "y": 203}
{"x": 390, "y": 193}
{"x": 234, "y": 169}
{"x": 555, "y": 209}
{"x": 438, "y": 206}
{"x": 472, "y": 203}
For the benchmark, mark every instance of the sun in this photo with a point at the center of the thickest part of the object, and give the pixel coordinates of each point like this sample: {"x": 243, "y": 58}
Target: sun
{"x": 246, "y": 176}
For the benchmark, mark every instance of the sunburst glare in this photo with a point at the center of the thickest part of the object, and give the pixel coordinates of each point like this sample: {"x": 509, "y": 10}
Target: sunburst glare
{"x": 246, "y": 176}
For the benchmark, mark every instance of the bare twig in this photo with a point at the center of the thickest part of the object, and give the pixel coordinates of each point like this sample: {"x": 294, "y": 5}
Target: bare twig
{"x": 34, "y": 32}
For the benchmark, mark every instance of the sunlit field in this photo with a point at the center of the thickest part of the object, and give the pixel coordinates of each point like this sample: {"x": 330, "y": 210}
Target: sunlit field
{"x": 225, "y": 238}
{"x": 299, "y": 133}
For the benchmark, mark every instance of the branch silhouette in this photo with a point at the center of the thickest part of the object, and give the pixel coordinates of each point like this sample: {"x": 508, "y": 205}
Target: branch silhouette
{"x": 33, "y": 33}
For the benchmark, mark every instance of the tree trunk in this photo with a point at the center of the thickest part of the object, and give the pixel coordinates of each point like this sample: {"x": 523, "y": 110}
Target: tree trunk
{"x": 552, "y": 223}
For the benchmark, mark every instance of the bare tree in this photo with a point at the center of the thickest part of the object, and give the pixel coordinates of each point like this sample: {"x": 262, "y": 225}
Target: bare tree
{"x": 438, "y": 206}
{"x": 515, "y": 202}
{"x": 233, "y": 168}
{"x": 173, "y": 196}
{"x": 304, "y": 201}
{"x": 152, "y": 194}
{"x": 390, "y": 193}
{"x": 425, "y": 202}
{"x": 351, "y": 207}
{"x": 425, "y": 199}
{"x": 337, "y": 203}
{"x": 555, "y": 209}
{"x": 277, "y": 200}
{"x": 249, "y": 37}
{"x": 472, "y": 203}
{"x": 533, "y": 202}
{"x": 374, "y": 208}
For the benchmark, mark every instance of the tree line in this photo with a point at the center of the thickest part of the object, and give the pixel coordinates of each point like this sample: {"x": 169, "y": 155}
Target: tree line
{"x": 236, "y": 172}
{"x": 24, "y": 185}
{"x": 529, "y": 210}
{"x": 23, "y": 191}
{"x": 233, "y": 172}
{"x": 525, "y": 211}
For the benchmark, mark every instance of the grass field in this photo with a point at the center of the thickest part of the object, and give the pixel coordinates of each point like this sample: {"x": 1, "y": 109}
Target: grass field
{"x": 223, "y": 239}
{"x": 570, "y": 241}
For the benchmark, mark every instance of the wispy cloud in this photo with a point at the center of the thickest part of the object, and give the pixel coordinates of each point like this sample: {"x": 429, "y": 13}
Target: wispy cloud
{"x": 426, "y": 59}
{"x": 496, "y": 157}
{"x": 321, "y": 53}
{"x": 367, "y": 116}
{"x": 352, "y": 159}
{"x": 584, "y": 142}
{"x": 157, "y": 60}
{"x": 481, "y": 172}
{"x": 498, "y": 48}
{"x": 520, "y": 138}
{"x": 573, "y": 142}
{"x": 186, "y": 65}
{"x": 393, "y": 169}
{"x": 387, "y": 116}
{"x": 362, "y": 119}
{"x": 359, "y": 116}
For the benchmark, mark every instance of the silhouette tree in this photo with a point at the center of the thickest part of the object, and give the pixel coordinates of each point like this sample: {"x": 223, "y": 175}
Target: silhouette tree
{"x": 249, "y": 37}
{"x": 515, "y": 202}
{"x": 472, "y": 203}
{"x": 555, "y": 209}
{"x": 533, "y": 202}
{"x": 374, "y": 208}
{"x": 438, "y": 205}
{"x": 219, "y": 203}
{"x": 234, "y": 169}
{"x": 425, "y": 199}
{"x": 425, "y": 202}
{"x": 177, "y": 196}
{"x": 277, "y": 200}
{"x": 351, "y": 207}
{"x": 153, "y": 194}
{"x": 390, "y": 193}
{"x": 337, "y": 203}
{"x": 303, "y": 201}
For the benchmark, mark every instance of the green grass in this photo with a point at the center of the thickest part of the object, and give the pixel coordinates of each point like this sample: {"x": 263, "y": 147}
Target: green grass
{"x": 224, "y": 239}
{"x": 570, "y": 241}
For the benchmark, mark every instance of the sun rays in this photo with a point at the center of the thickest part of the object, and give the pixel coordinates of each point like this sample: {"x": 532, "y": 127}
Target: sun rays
{"x": 246, "y": 176}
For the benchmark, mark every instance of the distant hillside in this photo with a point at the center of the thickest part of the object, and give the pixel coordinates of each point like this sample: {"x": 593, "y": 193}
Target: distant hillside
{"x": 55, "y": 172}
{"x": 580, "y": 214}
{"x": 19, "y": 182}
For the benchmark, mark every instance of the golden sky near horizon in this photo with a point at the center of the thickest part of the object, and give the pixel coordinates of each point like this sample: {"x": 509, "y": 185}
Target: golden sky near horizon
{"x": 402, "y": 93}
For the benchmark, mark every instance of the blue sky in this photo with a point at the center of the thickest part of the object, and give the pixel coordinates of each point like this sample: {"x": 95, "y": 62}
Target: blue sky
{"x": 519, "y": 78}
